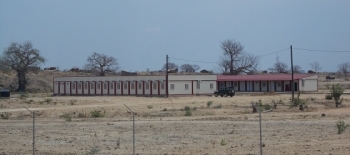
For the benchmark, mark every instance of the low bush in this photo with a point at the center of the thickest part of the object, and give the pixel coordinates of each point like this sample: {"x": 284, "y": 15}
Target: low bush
{"x": 96, "y": 114}
{"x": 218, "y": 107}
{"x": 5, "y": 115}
{"x": 341, "y": 126}
{"x": 329, "y": 97}
{"x": 209, "y": 103}
{"x": 150, "y": 106}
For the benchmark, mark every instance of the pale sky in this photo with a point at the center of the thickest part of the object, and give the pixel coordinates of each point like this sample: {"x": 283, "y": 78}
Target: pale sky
{"x": 139, "y": 33}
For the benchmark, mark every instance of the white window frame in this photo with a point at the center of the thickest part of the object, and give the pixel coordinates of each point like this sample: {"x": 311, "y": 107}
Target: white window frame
{"x": 211, "y": 85}
{"x": 186, "y": 86}
{"x": 172, "y": 86}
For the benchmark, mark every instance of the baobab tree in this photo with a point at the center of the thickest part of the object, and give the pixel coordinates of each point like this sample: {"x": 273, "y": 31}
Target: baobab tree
{"x": 234, "y": 60}
{"x": 100, "y": 64}
{"x": 20, "y": 57}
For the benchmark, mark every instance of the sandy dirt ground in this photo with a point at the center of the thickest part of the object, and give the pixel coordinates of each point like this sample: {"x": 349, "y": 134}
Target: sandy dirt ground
{"x": 65, "y": 125}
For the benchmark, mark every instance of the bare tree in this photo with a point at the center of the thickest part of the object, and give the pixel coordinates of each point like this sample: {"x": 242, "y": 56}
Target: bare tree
{"x": 235, "y": 60}
{"x": 279, "y": 67}
{"x": 188, "y": 68}
{"x": 297, "y": 69}
{"x": 171, "y": 66}
{"x": 20, "y": 57}
{"x": 344, "y": 68}
{"x": 100, "y": 64}
{"x": 315, "y": 66}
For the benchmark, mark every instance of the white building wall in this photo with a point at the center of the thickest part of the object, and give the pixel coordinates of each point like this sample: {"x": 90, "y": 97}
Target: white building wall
{"x": 242, "y": 86}
{"x": 308, "y": 85}
{"x": 256, "y": 85}
{"x": 178, "y": 87}
{"x": 204, "y": 87}
{"x": 68, "y": 87}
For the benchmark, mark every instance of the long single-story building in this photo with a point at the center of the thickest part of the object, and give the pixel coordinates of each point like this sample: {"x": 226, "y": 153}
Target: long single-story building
{"x": 135, "y": 85}
{"x": 269, "y": 82}
{"x": 179, "y": 84}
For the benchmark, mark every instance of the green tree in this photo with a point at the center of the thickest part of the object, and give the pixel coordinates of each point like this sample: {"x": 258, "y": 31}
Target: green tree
{"x": 20, "y": 57}
{"x": 336, "y": 92}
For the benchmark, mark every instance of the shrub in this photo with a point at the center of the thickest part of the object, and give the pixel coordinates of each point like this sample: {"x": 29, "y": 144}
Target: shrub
{"x": 218, "y": 107}
{"x": 72, "y": 102}
{"x": 187, "y": 108}
{"x": 150, "y": 106}
{"x": 209, "y": 103}
{"x": 223, "y": 142}
{"x": 67, "y": 117}
{"x": 341, "y": 126}
{"x": 81, "y": 115}
{"x": 48, "y": 100}
{"x": 194, "y": 108}
{"x": 329, "y": 97}
{"x": 299, "y": 102}
{"x": 96, "y": 114}
{"x": 164, "y": 109}
{"x": 336, "y": 91}
{"x": 6, "y": 115}
{"x": 188, "y": 113}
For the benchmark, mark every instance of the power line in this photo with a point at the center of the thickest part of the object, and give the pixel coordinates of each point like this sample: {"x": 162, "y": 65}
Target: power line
{"x": 304, "y": 49}
{"x": 273, "y": 52}
{"x": 194, "y": 60}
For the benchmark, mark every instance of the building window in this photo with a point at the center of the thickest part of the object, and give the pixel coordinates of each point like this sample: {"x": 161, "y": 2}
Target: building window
{"x": 278, "y": 84}
{"x": 162, "y": 85}
{"x": 118, "y": 85}
{"x": 154, "y": 85}
{"x": 104, "y": 85}
{"x": 221, "y": 83}
{"x": 92, "y": 86}
{"x": 212, "y": 85}
{"x": 85, "y": 85}
{"x": 235, "y": 84}
{"x": 72, "y": 86}
{"x": 264, "y": 84}
{"x": 186, "y": 86}
{"x": 172, "y": 86}
{"x": 98, "y": 85}
{"x": 147, "y": 85}
{"x": 125, "y": 85}
{"x": 198, "y": 86}
{"x": 111, "y": 85}
{"x": 132, "y": 85}
{"x": 55, "y": 83}
{"x": 140, "y": 86}
{"x": 67, "y": 83}
{"x": 79, "y": 85}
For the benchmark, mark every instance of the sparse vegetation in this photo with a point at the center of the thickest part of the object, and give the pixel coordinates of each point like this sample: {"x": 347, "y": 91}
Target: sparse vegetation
{"x": 72, "y": 102}
{"x": 93, "y": 150}
{"x": 223, "y": 142}
{"x": 149, "y": 106}
{"x": 48, "y": 100}
{"x": 96, "y": 114}
{"x": 67, "y": 117}
{"x": 336, "y": 91}
{"x": 329, "y": 97}
{"x": 218, "y": 107}
{"x": 188, "y": 111}
{"x": 5, "y": 115}
{"x": 341, "y": 126}
{"x": 299, "y": 102}
{"x": 209, "y": 103}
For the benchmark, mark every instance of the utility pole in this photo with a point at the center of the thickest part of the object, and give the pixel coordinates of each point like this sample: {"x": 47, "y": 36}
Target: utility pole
{"x": 133, "y": 129}
{"x": 33, "y": 129}
{"x": 291, "y": 61}
{"x": 167, "y": 78}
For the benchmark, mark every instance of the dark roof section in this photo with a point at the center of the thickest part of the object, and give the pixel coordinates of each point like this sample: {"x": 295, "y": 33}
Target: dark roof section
{"x": 268, "y": 77}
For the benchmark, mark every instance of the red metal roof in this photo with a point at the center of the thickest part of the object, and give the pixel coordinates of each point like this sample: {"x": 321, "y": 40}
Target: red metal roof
{"x": 267, "y": 77}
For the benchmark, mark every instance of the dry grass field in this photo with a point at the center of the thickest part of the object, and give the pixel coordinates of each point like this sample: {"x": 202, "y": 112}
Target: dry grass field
{"x": 175, "y": 125}
{"x": 65, "y": 125}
